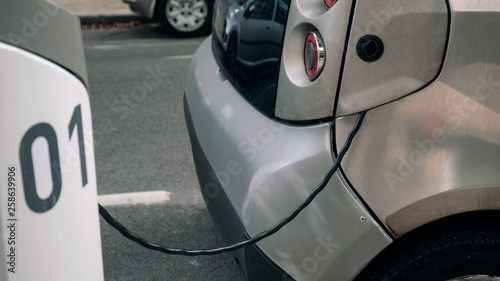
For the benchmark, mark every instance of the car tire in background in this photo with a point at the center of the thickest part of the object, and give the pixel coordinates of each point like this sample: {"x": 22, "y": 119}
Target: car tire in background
{"x": 186, "y": 18}
{"x": 463, "y": 253}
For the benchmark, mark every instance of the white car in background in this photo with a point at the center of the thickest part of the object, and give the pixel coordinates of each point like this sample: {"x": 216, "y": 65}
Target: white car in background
{"x": 182, "y": 18}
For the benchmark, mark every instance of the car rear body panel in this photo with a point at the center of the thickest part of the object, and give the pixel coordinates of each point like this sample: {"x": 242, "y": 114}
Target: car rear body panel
{"x": 436, "y": 153}
{"x": 428, "y": 148}
{"x": 267, "y": 168}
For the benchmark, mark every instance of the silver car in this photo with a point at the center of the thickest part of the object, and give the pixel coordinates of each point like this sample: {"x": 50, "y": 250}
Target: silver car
{"x": 182, "y": 18}
{"x": 417, "y": 195}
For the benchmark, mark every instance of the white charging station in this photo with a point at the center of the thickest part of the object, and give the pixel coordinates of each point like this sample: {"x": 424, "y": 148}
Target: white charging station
{"x": 49, "y": 225}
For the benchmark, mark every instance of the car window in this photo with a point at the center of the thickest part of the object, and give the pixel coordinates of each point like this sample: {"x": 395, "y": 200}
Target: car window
{"x": 262, "y": 9}
{"x": 281, "y": 12}
{"x": 247, "y": 47}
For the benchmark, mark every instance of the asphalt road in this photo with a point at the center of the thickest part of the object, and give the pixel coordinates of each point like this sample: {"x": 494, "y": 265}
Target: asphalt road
{"x": 136, "y": 79}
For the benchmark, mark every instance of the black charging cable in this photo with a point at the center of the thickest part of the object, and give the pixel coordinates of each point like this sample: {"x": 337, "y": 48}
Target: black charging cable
{"x": 173, "y": 251}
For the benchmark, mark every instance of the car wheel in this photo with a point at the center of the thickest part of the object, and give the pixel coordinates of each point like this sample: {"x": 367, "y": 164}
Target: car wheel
{"x": 186, "y": 18}
{"x": 471, "y": 254}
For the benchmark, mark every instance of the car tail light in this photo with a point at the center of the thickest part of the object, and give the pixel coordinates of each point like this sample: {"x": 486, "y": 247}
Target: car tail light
{"x": 330, "y": 3}
{"x": 314, "y": 55}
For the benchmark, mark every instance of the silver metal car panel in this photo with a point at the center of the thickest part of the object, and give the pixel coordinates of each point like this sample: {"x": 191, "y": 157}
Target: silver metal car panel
{"x": 414, "y": 35}
{"x": 267, "y": 168}
{"x": 298, "y": 98}
{"x": 436, "y": 152}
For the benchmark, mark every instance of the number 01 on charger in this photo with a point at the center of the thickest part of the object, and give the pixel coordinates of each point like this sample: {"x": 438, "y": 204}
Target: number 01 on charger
{"x": 49, "y": 226}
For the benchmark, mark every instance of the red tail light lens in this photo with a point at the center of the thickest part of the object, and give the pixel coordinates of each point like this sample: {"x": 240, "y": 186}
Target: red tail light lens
{"x": 314, "y": 55}
{"x": 330, "y": 3}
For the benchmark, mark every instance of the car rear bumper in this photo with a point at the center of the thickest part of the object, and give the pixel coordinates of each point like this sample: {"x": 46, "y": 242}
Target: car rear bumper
{"x": 143, "y": 7}
{"x": 253, "y": 171}
{"x": 251, "y": 259}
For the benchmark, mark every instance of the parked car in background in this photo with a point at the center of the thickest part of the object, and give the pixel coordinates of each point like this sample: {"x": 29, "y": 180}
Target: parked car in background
{"x": 182, "y": 18}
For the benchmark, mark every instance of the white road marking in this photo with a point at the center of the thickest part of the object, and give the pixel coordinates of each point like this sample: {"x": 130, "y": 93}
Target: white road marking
{"x": 114, "y": 45}
{"x": 134, "y": 198}
{"x": 106, "y": 47}
{"x": 185, "y": 57}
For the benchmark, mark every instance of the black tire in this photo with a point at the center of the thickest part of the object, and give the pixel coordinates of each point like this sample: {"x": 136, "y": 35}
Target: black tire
{"x": 440, "y": 255}
{"x": 172, "y": 24}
